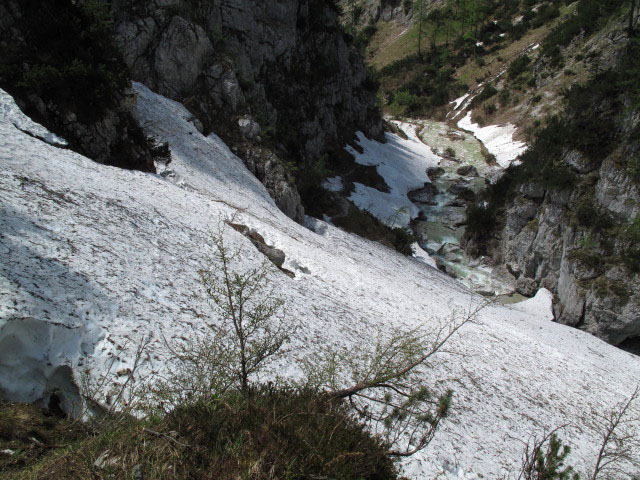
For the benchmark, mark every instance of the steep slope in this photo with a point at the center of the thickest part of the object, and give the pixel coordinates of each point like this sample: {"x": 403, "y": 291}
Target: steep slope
{"x": 277, "y": 80}
{"x": 569, "y": 220}
{"x": 61, "y": 64}
{"x": 95, "y": 258}
{"x": 567, "y": 217}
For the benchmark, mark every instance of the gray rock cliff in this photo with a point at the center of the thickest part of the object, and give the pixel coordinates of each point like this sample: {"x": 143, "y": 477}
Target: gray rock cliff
{"x": 283, "y": 69}
{"x": 544, "y": 243}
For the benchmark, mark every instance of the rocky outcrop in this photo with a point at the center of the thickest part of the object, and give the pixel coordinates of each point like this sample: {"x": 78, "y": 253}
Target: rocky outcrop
{"x": 371, "y": 11}
{"x": 545, "y": 243}
{"x": 68, "y": 77}
{"x": 283, "y": 69}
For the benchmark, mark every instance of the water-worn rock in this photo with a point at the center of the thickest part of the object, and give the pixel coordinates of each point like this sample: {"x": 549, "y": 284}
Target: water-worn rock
{"x": 424, "y": 194}
{"x": 435, "y": 172}
{"x": 462, "y": 191}
{"x": 467, "y": 171}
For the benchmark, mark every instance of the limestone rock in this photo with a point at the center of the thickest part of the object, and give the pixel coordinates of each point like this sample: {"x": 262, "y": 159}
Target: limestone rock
{"x": 285, "y": 64}
{"x": 249, "y": 128}
{"x": 424, "y": 194}
{"x": 177, "y": 71}
{"x": 467, "y": 171}
{"x": 526, "y": 286}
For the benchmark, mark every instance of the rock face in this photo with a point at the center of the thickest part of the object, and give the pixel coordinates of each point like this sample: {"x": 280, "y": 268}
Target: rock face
{"x": 544, "y": 243}
{"x": 103, "y": 132}
{"x": 370, "y": 11}
{"x": 280, "y": 68}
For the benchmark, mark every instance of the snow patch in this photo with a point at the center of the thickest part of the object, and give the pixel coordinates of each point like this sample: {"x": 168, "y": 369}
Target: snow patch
{"x": 333, "y": 184}
{"x": 403, "y": 166}
{"x": 540, "y": 305}
{"x": 422, "y": 256}
{"x": 497, "y": 138}
{"x": 9, "y": 112}
{"x": 458, "y": 101}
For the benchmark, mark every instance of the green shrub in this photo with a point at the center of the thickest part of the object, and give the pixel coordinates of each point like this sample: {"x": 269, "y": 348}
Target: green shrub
{"x": 278, "y": 433}
{"x": 274, "y": 432}
{"x": 480, "y": 224}
{"x": 68, "y": 57}
{"x": 548, "y": 464}
{"x": 405, "y": 98}
{"x": 490, "y": 108}
{"x": 518, "y": 66}
{"x": 633, "y": 167}
{"x": 589, "y": 15}
{"x": 309, "y": 180}
{"x": 631, "y": 250}
{"x": 504, "y": 97}
{"x": 364, "y": 224}
{"x": 488, "y": 92}
{"x": 591, "y": 217}
{"x": 400, "y": 65}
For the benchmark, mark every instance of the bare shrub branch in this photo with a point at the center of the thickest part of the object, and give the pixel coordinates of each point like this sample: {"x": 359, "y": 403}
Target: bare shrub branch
{"x": 619, "y": 430}
{"x": 384, "y": 383}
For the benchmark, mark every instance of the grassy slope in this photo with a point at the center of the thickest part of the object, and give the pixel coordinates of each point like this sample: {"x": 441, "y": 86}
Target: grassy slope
{"x": 529, "y": 103}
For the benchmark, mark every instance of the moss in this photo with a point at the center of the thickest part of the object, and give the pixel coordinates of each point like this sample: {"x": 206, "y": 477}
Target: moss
{"x": 587, "y": 257}
{"x": 605, "y": 288}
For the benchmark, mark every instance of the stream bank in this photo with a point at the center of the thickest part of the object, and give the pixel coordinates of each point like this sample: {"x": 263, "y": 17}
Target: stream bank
{"x": 464, "y": 169}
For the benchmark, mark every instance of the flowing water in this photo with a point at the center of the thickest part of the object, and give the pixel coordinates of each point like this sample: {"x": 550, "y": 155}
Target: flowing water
{"x": 462, "y": 174}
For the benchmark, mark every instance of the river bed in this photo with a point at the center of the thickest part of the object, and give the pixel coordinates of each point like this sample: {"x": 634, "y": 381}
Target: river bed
{"x": 460, "y": 177}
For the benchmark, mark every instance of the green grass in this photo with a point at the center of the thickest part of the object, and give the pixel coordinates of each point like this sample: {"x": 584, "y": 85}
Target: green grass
{"x": 272, "y": 433}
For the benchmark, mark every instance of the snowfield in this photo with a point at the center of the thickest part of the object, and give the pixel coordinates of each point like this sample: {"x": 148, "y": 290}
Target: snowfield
{"x": 403, "y": 165}
{"x": 497, "y": 138}
{"x": 95, "y": 258}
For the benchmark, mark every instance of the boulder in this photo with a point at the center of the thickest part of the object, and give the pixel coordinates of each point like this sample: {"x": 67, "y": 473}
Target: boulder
{"x": 249, "y": 128}
{"x": 434, "y": 173}
{"x": 462, "y": 191}
{"x": 424, "y": 194}
{"x": 467, "y": 171}
{"x": 526, "y": 286}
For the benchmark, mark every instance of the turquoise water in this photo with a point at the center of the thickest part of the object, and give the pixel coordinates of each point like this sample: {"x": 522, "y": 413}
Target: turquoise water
{"x": 441, "y": 227}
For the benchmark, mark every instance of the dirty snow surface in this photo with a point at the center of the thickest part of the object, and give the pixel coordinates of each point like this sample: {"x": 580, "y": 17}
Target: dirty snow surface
{"x": 403, "y": 166}
{"x": 95, "y": 258}
{"x": 497, "y": 138}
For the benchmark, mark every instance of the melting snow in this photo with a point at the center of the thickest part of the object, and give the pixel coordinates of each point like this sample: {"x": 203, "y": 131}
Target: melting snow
{"x": 497, "y": 138}
{"x": 95, "y": 258}
{"x": 458, "y": 101}
{"x": 333, "y": 184}
{"x": 9, "y": 112}
{"x": 403, "y": 166}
